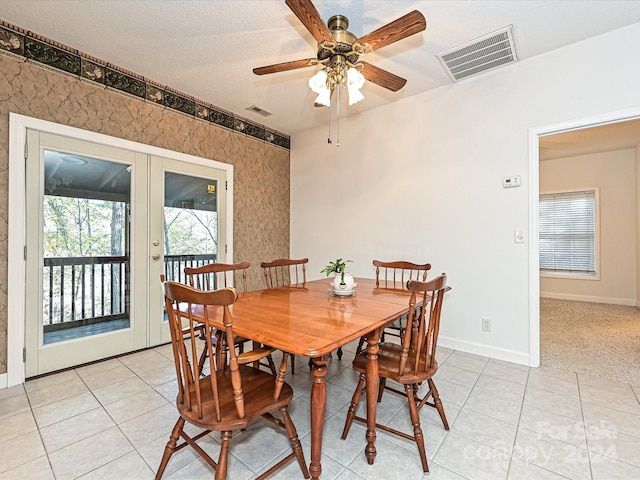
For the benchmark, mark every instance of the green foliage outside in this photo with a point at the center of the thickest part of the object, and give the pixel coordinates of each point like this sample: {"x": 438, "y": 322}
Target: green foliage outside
{"x": 81, "y": 227}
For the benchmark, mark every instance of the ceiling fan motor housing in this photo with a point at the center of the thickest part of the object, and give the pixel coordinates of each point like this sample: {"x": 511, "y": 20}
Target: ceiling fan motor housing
{"x": 343, "y": 47}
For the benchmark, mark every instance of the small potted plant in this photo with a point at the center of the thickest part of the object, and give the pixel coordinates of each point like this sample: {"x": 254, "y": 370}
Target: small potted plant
{"x": 343, "y": 283}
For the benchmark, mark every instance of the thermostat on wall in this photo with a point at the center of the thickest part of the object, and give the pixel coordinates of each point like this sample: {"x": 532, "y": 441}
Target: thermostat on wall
{"x": 508, "y": 182}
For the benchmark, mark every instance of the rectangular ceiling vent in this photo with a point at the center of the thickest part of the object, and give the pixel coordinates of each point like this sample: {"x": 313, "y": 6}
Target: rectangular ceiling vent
{"x": 485, "y": 53}
{"x": 259, "y": 111}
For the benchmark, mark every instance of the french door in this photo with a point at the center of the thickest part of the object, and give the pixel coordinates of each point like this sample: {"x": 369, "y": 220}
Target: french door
{"x": 102, "y": 224}
{"x": 186, "y": 227}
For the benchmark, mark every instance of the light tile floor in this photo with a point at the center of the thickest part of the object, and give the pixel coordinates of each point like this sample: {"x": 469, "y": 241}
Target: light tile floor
{"x": 112, "y": 420}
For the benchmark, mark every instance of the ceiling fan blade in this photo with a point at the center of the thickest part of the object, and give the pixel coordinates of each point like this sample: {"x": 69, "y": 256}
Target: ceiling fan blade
{"x": 410, "y": 24}
{"x": 284, "y": 66}
{"x": 310, "y": 18}
{"x": 381, "y": 77}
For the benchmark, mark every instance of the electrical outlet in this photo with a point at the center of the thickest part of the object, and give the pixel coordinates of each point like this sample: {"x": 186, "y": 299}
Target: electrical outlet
{"x": 486, "y": 325}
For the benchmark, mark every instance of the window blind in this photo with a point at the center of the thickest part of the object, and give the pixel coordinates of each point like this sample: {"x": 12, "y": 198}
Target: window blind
{"x": 567, "y": 232}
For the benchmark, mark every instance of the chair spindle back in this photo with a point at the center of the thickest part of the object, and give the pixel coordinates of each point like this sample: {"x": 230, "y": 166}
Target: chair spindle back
{"x": 214, "y": 276}
{"x": 397, "y": 274}
{"x": 420, "y": 338}
{"x": 285, "y": 272}
{"x": 181, "y": 302}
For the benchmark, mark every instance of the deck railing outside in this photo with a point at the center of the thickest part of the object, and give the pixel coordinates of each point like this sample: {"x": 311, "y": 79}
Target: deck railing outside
{"x": 174, "y": 265}
{"x": 86, "y": 290}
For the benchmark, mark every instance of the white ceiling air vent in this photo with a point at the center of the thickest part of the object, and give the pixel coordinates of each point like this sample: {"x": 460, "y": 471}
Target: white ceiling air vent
{"x": 259, "y": 111}
{"x": 485, "y": 53}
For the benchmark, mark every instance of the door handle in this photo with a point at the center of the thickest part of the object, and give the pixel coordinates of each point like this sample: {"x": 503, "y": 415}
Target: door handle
{"x": 156, "y": 256}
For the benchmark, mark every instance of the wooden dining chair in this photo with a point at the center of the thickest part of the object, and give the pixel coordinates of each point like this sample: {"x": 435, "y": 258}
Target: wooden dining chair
{"x": 411, "y": 363}
{"x": 285, "y": 272}
{"x": 214, "y": 276}
{"x": 228, "y": 399}
{"x": 395, "y": 275}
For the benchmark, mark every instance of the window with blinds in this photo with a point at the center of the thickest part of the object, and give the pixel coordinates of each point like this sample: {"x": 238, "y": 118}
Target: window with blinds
{"x": 568, "y": 232}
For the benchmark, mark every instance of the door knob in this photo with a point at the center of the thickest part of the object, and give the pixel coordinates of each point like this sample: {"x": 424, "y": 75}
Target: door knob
{"x": 156, "y": 256}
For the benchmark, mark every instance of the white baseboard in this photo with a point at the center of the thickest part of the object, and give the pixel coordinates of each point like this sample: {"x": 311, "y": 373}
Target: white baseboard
{"x": 588, "y": 298}
{"x": 513, "y": 356}
{"x": 3, "y": 380}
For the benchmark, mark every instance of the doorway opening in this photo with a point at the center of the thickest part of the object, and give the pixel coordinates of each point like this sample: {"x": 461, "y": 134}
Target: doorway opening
{"x": 571, "y": 150}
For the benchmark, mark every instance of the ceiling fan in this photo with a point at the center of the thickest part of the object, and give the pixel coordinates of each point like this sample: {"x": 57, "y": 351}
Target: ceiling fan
{"x": 339, "y": 52}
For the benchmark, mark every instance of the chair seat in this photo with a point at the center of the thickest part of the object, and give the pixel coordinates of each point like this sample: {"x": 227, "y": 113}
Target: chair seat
{"x": 258, "y": 399}
{"x": 388, "y": 355}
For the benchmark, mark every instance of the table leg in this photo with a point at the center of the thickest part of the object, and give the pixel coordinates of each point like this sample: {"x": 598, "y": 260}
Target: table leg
{"x": 318, "y": 409}
{"x": 373, "y": 380}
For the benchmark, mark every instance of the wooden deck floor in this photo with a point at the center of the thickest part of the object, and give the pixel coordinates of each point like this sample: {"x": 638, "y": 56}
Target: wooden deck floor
{"x": 85, "y": 331}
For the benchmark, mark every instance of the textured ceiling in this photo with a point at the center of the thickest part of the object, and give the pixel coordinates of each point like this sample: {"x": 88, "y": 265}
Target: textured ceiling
{"x": 207, "y": 49}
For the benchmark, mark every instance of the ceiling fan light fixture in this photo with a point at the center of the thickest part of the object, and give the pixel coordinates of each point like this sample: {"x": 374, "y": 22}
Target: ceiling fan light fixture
{"x": 318, "y": 83}
{"x": 324, "y": 98}
{"x": 355, "y": 81}
{"x": 355, "y": 96}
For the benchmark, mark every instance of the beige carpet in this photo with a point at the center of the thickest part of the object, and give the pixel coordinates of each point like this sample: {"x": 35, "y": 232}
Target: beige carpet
{"x": 591, "y": 338}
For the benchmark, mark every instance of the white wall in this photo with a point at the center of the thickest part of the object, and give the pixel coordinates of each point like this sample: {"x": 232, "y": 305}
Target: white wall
{"x": 420, "y": 180}
{"x": 614, "y": 173}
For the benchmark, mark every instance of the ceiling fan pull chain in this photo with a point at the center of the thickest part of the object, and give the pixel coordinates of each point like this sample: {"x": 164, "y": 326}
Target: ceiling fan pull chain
{"x": 329, "y": 137}
{"x": 339, "y": 87}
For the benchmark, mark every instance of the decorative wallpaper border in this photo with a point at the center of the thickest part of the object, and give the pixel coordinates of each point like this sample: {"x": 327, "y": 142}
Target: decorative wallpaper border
{"x": 36, "y": 48}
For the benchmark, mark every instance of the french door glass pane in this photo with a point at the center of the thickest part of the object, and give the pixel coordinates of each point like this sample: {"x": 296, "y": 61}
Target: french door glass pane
{"x": 85, "y": 246}
{"x": 190, "y": 223}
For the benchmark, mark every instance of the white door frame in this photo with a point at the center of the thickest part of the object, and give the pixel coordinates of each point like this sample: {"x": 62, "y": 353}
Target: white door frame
{"x": 534, "y": 198}
{"x": 18, "y": 125}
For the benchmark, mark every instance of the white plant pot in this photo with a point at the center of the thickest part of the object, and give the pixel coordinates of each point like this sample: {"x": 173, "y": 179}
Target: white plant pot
{"x": 345, "y": 288}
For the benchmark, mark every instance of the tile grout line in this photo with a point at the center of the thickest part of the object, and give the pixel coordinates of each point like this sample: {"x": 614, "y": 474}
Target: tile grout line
{"x": 584, "y": 425}
{"x": 515, "y": 438}
{"x": 46, "y": 453}
{"x": 435, "y": 453}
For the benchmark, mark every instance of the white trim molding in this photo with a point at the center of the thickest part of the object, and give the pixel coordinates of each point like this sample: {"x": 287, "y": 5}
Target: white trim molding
{"x": 630, "y": 302}
{"x": 513, "y": 356}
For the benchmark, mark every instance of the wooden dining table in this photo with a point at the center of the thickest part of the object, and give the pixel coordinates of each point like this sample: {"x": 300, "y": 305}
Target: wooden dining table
{"x": 311, "y": 321}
